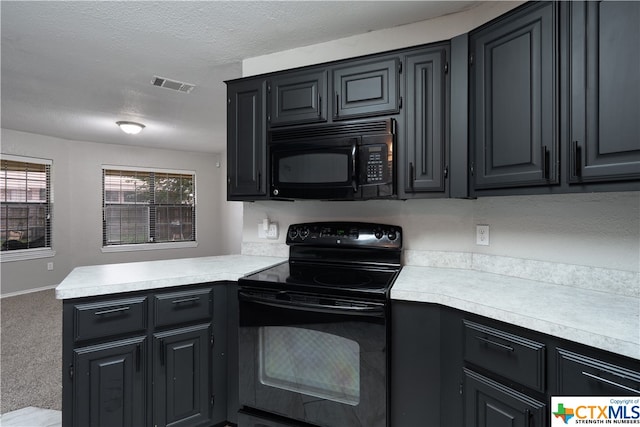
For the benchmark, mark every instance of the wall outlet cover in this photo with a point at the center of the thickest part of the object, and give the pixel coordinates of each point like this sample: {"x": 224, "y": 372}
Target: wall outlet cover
{"x": 482, "y": 235}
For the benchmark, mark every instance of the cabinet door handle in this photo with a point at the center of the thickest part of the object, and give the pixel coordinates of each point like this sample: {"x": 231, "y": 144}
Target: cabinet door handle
{"x": 337, "y": 105}
{"x": 354, "y": 166}
{"x": 609, "y": 382}
{"x": 497, "y": 344}
{"x": 138, "y": 358}
{"x": 319, "y": 105}
{"x": 259, "y": 180}
{"x": 527, "y": 417}
{"x": 110, "y": 311}
{"x": 161, "y": 352}
{"x": 576, "y": 154}
{"x": 184, "y": 300}
{"x": 412, "y": 175}
{"x": 545, "y": 162}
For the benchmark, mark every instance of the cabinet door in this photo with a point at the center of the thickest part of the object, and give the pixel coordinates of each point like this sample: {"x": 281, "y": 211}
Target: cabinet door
{"x": 426, "y": 113}
{"x": 490, "y": 404}
{"x": 246, "y": 140}
{"x": 513, "y": 100}
{"x": 182, "y": 376}
{"x": 605, "y": 91}
{"x": 108, "y": 387}
{"x": 366, "y": 89}
{"x": 580, "y": 375}
{"x": 298, "y": 98}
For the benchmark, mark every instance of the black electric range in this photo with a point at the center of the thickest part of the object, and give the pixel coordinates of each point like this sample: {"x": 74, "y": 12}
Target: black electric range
{"x": 350, "y": 259}
{"x": 314, "y": 330}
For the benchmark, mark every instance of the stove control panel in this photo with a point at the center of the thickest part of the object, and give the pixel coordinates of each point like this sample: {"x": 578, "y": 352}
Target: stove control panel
{"x": 345, "y": 234}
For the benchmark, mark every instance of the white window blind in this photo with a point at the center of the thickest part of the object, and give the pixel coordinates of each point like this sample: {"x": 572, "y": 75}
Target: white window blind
{"x": 148, "y": 206}
{"x": 25, "y": 204}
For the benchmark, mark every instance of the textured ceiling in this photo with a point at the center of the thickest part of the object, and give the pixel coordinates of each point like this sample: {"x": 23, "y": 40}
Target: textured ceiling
{"x": 70, "y": 69}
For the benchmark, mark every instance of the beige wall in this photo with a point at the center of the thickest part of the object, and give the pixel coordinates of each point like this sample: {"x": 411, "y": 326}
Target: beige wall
{"x": 585, "y": 229}
{"x": 77, "y": 205}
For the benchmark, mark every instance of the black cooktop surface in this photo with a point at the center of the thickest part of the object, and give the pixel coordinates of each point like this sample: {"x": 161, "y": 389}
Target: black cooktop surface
{"x": 325, "y": 278}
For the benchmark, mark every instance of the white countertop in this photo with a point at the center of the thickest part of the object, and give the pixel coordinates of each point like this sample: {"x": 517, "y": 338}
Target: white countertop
{"x": 599, "y": 319}
{"x": 137, "y": 276}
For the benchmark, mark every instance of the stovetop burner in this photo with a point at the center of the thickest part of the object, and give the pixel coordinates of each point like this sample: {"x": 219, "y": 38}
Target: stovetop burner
{"x": 350, "y": 279}
{"x": 354, "y": 259}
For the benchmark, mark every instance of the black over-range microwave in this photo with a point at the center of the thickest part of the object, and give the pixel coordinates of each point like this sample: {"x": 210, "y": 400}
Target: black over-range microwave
{"x": 345, "y": 161}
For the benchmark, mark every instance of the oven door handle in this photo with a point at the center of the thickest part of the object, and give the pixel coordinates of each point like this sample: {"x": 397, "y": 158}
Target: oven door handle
{"x": 370, "y": 310}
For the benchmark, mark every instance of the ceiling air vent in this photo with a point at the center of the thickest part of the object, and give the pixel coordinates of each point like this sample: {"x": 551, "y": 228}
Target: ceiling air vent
{"x": 172, "y": 84}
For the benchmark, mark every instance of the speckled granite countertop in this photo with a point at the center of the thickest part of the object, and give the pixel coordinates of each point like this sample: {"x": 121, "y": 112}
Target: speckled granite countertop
{"x": 596, "y": 318}
{"x": 137, "y": 276}
{"x": 601, "y": 309}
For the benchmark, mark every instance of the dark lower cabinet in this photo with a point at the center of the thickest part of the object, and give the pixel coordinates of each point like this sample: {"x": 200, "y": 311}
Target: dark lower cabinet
{"x": 488, "y": 403}
{"x": 452, "y": 368}
{"x": 182, "y": 376}
{"x": 109, "y": 384}
{"x": 581, "y": 375}
{"x": 604, "y": 41}
{"x": 146, "y": 358}
{"x": 513, "y": 99}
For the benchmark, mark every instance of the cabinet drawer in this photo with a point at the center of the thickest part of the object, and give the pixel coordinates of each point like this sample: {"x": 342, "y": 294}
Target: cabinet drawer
{"x": 513, "y": 357}
{"x": 580, "y": 375}
{"x": 184, "y": 306}
{"x": 108, "y": 318}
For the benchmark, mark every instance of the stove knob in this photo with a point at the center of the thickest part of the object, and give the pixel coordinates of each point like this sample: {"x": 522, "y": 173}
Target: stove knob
{"x": 392, "y": 235}
{"x": 303, "y": 232}
{"x": 378, "y": 233}
{"x": 293, "y": 233}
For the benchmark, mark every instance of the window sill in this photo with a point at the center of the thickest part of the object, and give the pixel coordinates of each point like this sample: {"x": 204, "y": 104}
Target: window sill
{"x": 148, "y": 247}
{"x": 26, "y": 254}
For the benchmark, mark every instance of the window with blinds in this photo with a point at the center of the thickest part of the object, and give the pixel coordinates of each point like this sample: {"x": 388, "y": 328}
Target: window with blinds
{"x": 25, "y": 203}
{"x": 148, "y": 206}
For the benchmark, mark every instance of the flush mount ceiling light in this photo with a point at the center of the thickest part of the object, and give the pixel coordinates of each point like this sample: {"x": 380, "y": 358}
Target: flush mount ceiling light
{"x": 131, "y": 128}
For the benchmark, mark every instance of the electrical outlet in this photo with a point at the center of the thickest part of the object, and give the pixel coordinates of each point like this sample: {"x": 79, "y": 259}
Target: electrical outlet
{"x": 262, "y": 233}
{"x": 482, "y": 235}
{"x": 272, "y": 232}
{"x": 50, "y": 266}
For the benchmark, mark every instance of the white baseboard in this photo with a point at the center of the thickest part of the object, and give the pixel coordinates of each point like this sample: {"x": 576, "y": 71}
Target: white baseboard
{"x": 27, "y": 291}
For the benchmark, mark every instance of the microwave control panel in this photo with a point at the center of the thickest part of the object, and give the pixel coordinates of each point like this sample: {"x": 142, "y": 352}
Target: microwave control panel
{"x": 376, "y": 165}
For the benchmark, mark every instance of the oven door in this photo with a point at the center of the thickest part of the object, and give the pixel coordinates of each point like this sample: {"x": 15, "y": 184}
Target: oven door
{"x": 322, "y": 169}
{"x": 314, "y": 359}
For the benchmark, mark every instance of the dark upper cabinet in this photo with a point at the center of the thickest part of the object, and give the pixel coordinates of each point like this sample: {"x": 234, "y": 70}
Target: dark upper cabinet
{"x": 604, "y": 141}
{"x": 426, "y": 117}
{"x": 513, "y": 99}
{"x": 297, "y": 98}
{"x": 366, "y": 88}
{"x": 246, "y": 139}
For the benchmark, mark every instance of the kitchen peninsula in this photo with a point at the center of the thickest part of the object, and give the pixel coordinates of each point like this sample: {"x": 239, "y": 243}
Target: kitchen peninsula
{"x": 604, "y": 318}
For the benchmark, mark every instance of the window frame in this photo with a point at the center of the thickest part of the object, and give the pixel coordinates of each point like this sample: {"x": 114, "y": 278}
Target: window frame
{"x": 152, "y": 245}
{"x": 34, "y": 253}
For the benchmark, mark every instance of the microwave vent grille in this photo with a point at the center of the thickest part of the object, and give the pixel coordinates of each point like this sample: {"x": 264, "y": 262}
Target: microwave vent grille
{"x": 332, "y": 130}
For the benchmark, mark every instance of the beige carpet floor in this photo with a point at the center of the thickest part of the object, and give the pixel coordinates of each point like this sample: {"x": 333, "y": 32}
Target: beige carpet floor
{"x": 31, "y": 351}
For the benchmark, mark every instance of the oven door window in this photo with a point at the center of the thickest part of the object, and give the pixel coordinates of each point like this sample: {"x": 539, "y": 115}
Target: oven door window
{"x": 310, "y": 362}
